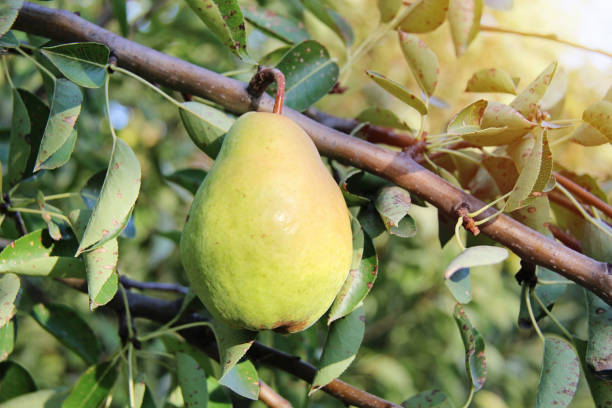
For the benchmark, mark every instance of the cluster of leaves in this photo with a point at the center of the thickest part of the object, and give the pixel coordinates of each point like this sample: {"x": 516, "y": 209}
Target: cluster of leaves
{"x": 508, "y": 156}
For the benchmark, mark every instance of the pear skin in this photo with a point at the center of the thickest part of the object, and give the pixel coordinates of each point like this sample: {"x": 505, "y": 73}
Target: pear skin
{"x": 267, "y": 243}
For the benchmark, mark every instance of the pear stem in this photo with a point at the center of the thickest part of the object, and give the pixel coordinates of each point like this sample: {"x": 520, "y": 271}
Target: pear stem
{"x": 262, "y": 79}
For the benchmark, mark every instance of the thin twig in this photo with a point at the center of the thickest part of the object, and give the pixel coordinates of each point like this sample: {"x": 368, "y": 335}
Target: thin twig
{"x": 157, "y": 286}
{"x": 271, "y": 398}
{"x": 583, "y": 195}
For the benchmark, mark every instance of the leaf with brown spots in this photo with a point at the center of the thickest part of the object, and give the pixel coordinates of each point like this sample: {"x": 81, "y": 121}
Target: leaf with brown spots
{"x": 601, "y": 389}
{"x": 560, "y": 374}
{"x": 399, "y": 91}
{"x": 464, "y": 19}
{"x": 9, "y": 287}
{"x": 527, "y": 101}
{"x": 243, "y": 380}
{"x": 192, "y": 380}
{"x": 382, "y": 117}
{"x": 102, "y": 278}
{"x": 425, "y": 16}
{"x": 429, "y": 399}
{"x": 233, "y": 344}
{"x": 492, "y": 80}
{"x": 284, "y": 28}
{"x": 82, "y": 63}
{"x": 206, "y": 126}
{"x": 65, "y": 109}
{"x": 422, "y": 61}
{"x": 116, "y": 200}
{"x": 599, "y": 116}
{"x": 475, "y": 362}
{"x": 393, "y": 204}
{"x": 388, "y": 9}
{"x": 7, "y": 339}
{"x": 341, "y": 347}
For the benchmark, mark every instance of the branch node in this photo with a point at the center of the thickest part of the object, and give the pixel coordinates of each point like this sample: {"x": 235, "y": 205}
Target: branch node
{"x": 264, "y": 77}
{"x": 463, "y": 210}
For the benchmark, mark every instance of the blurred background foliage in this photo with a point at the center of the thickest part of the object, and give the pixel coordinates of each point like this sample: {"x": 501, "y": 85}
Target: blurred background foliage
{"x": 411, "y": 341}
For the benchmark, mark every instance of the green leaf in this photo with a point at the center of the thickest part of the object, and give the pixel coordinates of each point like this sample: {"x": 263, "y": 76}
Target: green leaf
{"x": 192, "y": 380}
{"x": 62, "y": 155}
{"x": 8, "y": 13}
{"x": 8, "y": 40}
{"x": 422, "y": 61}
{"x": 426, "y": 16}
{"x": 224, "y": 18}
{"x": 429, "y": 399}
{"x": 120, "y": 12}
{"x": 19, "y": 148}
{"x": 475, "y": 362}
{"x": 526, "y": 102}
{"x": 65, "y": 109}
{"x": 388, "y": 9}
{"x": 38, "y": 254}
{"x": 232, "y": 344}
{"x": 116, "y": 199}
{"x": 464, "y": 19}
{"x": 82, "y": 63}
{"x": 284, "y": 28}
{"x": 599, "y": 348}
{"x": 189, "y": 179}
{"x": 343, "y": 341}
{"x": 460, "y": 285}
{"x": 399, "y": 91}
{"x": 243, "y": 380}
{"x": 14, "y": 381}
{"x": 93, "y": 387}
{"x": 370, "y": 221}
{"x": 535, "y": 176}
{"x": 351, "y": 199}
{"x": 382, "y": 117}
{"x": 174, "y": 344}
{"x": 361, "y": 277}
{"x": 274, "y": 57}
{"x": 39, "y": 399}
{"x": 560, "y": 374}
{"x": 9, "y": 288}
{"x": 206, "y": 126}
{"x": 7, "y": 339}
{"x": 393, "y": 204}
{"x": 492, "y": 80}
{"x": 102, "y": 278}
{"x": 218, "y": 397}
{"x": 599, "y": 116}
{"x": 309, "y": 74}
{"x": 331, "y": 19}
{"x": 601, "y": 389}
{"x": 69, "y": 328}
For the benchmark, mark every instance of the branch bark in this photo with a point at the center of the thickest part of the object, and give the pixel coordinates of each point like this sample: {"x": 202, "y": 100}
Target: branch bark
{"x": 399, "y": 168}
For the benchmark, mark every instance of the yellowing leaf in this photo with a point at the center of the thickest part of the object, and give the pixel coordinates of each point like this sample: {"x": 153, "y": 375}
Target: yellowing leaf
{"x": 426, "y": 16}
{"x": 527, "y": 101}
{"x": 599, "y": 116}
{"x": 423, "y": 61}
{"x": 388, "y": 9}
{"x": 492, "y": 80}
{"x": 399, "y": 91}
{"x": 500, "y": 115}
{"x": 464, "y": 19}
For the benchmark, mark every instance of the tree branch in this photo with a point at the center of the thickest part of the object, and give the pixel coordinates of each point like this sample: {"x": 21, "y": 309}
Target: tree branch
{"x": 396, "y": 167}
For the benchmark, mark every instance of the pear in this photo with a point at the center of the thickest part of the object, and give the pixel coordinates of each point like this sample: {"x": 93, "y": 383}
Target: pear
{"x": 267, "y": 243}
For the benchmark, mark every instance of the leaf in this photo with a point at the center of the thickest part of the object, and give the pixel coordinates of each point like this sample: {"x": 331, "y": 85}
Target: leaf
{"x": 102, "y": 278}
{"x": 388, "y": 9}
{"x": 273, "y": 57}
{"x": 535, "y": 175}
{"x": 218, "y": 397}
{"x": 93, "y": 387}
{"x": 243, "y": 380}
{"x": 587, "y": 135}
{"x": 19, "y": 148}
{"x": 9, "y": 288}
{"x": 351, "y": 199}
{"x": 429, "y": 399}
{"x": 8, "y": 40}
{"x": 192, "y": 380}
{"x": 331, "y": 19}
{"x": 464, "y": 19}
{"x": 62, "y": 155}
{"x": 50, "y": 398}
{"x": 560, "y": 374}
{"x": 500, "y": 4}
{"x": 174, "y": 344}
{"x": 7, "y": 339}
{"x": 475, "y": 363}
{"x": 8, "y": 13}
{"x": 284, "y": 28}
{"x": 82, "y": 63}
{"x": 116, "y": 199}
{"x": 69, "y": 328}
{"x": 120, "y": 12}
{"x": 601, "y": 389}
{"x": 526, "y": 102}
{"x": 599, "y": 116}
{"x": 492, "y": 80}
{"x": 426, "y": 15}
{"x": 599, "y": 347}
{"x": 499, "y": 115}
{"x": 361, "y": 277}
{"x": 399, "y": 91}
{"x": 189, "y": 179}
{"x": 503, "y": 170}
{"x": 232, "y": 344}
{"x": 14, "y": 381}
{"x": 38, "y": 254}
{"x": 457, "y": 274}
{"x": 422, "y": 61}
{"x": 309, "y": 74}
{"x": 382, "y": 117}
{"x": 224, "y": 18}
{"x": 392, "y": 203}
{"x": 343, "y": 341}
{"x": 206, "y": 126}
{"x": 65, "y": 109}
{"x": 370, "y": 221}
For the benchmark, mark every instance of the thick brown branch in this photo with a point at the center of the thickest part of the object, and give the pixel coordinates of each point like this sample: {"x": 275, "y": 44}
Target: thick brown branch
{"x": 400, "y": 169}
{"x": 271, "y": 398}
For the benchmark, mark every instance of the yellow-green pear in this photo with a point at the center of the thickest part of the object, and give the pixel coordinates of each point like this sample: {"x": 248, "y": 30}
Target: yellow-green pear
{"x": 267, "y": 243}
